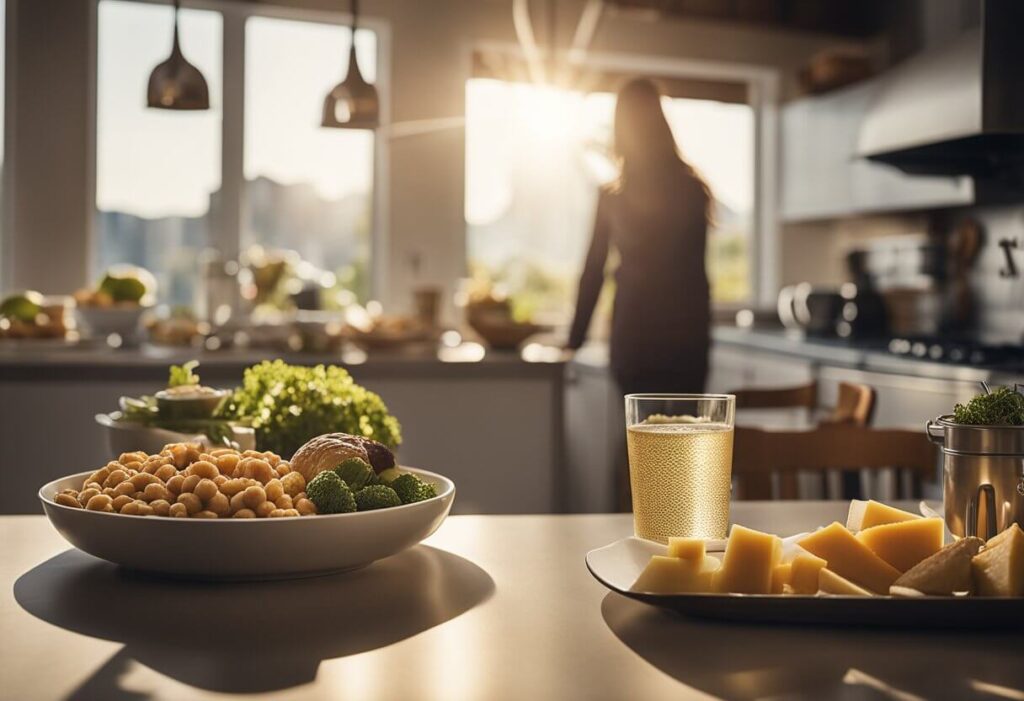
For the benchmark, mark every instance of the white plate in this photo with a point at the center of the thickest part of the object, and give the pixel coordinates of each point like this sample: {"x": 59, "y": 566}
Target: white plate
{"x": 272, "y": 548}
{"x": 618, "y": 565}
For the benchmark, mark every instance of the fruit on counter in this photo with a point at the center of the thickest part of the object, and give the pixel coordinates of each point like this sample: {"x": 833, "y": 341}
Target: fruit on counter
{"x": 866, "y": 514}
{"x": 999, "y": 568}
{"x": 288, "y": 405}
{"x": 330, "y": 494}
{"x": 850, "y": 558}
{"x": 325, "y": 453}
{"x": 23, "y": 306}
{"x": 905, "y": 543}
{"x": 376, "y": 496}
{"x": 750, "y": 557}
{"x": 411, "y": 489}
{"x": 804, "y": 573}
{"x": 356, "y": 473}
{"x": 945, "y": 573}
{"x": 1003, "y": 406}
{"x": 676, "y": 575}
{"x": 831, "y": 583}
{"x": 121, "y": 285}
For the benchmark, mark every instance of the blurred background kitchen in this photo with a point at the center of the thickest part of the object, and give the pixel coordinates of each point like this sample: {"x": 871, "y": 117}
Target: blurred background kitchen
{"x": 866, "y": 160}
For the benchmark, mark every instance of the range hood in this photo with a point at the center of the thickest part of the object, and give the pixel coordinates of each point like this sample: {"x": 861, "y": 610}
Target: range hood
{"x": 958, "y": 110}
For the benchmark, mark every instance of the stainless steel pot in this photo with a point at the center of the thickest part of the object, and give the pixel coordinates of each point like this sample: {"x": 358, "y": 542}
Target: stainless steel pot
{"x": 983, "y": 476}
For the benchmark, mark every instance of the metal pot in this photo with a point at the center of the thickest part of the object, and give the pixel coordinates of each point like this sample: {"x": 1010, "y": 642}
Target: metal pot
{"x": 983, "y": 476}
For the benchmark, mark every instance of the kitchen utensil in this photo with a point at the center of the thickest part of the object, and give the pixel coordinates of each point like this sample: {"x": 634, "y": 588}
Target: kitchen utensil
{"x": 253, "y": 549}
{"x": 817, "y": 310}
{"x": 983, "y": 476}
{"x": 618, "y": 565}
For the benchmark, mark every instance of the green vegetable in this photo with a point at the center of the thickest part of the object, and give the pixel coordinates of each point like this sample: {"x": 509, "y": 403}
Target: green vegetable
{"x": 377, "y": 496}
{"x": 25, "y": 306}
{"x": 123, "y": 288}
{"x": 290, "y": 404}
{"x": 411, "y": 488}
{"x": 389, "y": 475}
{"x": 356, "y": 473}
{"x": 1003, "y": 406}
{"x": 330, "y": 494}
{"x": 182, "y": 375}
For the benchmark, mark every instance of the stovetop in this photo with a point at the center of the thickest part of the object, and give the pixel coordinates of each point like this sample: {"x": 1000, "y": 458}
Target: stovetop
{"x": 957, "y": 351}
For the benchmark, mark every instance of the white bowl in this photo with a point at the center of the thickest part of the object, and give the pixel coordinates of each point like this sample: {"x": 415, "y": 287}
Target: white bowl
{"x": 103, "y": 321}
{"x": 272, "y": 548}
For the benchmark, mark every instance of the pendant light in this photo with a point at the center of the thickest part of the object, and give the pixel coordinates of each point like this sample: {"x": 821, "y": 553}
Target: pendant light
{"x": 176, "y": 84}
{"x": 352, "y": 103}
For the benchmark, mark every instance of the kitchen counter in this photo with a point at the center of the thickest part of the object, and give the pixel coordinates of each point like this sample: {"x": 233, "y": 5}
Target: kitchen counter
{"x": 490, "y": 607}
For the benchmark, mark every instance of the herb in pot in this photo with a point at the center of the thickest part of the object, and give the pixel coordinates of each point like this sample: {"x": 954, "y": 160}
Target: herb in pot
{"x": 1003, "y": 406}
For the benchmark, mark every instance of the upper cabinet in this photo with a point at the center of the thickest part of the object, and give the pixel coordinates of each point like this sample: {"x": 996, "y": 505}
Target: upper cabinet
{"x": 823, "y": 177}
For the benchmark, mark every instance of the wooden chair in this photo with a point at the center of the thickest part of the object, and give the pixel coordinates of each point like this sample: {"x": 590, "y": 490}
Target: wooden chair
{"x": 758, "y": 453}
{"x": 854, "y": 407}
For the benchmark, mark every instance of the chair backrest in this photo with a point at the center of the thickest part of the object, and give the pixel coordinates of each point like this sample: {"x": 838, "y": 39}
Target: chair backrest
{"x": 799, "y": 397}
{"x": 758, "y": 453}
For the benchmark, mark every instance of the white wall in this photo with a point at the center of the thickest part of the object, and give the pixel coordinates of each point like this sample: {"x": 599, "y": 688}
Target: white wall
{"x": 50, "y": 112}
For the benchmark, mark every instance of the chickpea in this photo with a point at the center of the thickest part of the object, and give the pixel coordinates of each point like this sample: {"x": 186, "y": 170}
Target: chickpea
{"x": 237, "y": 502}
{"x": 100, "y": 502}
{"x": 276, "y": 513}
{"x": 290, "y": 512}
{"x": 131, "y": 508}
{"x": 264, "y": 509}
{"x": 252, "y": 497}
{"x": 109, "y": 491}
{"x": 165, "y": 473}
{"x": 244, "y": 513}
{"x": 305, "y": 507}
{"x": 227, "y": 462}
{"x": 283, "y": 469}
{"x": 137, "y": 456}
{"x": 98, "y": 476}
{"x": 193, "y": 503}
{"x": 262, "y": 471}
{"x": 283, "y": 502}
{"x": 300, "y": 495}
{"x": 142, "y": 479}
{"x": 67, "y": 500}
{"x": 120, "y": 501}
{"x": 204, "y": 469}
{"x": 134, "y": 466}
{"x": 161, "y": 507}
{"x": 93, "y": 485}
{"x": 115, "y": 478}
{"x": 144, "y": 509}
{"x": 189, "y": 485}
{"x": 293, "y": 483}
{"x": 86, "y": 494}
{"x": 175, "y": 484}
{"x": 206, "y": 457}
{"x": 180, "y": 454}
{"x": 177, "y": 510}
{"x": 155, "y": 491}
{"x": 217, "y": 452}
{"x": 126, "y": 488}
{"x": 219, "y": 504}
{"x": 233, "y": 487}
{"x": 205, "y": 489}
{"x": 274, "y": 489}
{"x": 204, "y": 514}
{"x": 252, "y": 454}
{"x": 219, "y": 480}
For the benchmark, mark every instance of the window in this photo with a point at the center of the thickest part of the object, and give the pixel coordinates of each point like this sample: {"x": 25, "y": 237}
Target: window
{"x": 159, "y": 173}
{"x": 156, "y": 171}
{"x": 308, "y": 189}
{"x": 535, "y": 158}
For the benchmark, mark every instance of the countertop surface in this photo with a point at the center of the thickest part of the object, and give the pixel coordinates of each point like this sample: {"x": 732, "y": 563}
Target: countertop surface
{"x": 490, "y": 607}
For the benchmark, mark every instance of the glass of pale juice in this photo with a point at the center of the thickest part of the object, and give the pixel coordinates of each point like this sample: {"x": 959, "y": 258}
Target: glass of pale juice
{"x": 680, "y": 463}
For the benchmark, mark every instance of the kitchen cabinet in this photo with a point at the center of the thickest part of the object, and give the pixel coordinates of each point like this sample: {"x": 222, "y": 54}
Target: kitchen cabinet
{"x": 822, "y": 176}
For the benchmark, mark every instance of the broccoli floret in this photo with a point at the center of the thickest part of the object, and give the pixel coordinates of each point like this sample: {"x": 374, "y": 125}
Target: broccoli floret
{"x": 411, "y": 488}
{"x": 376, "y": 496}
{"x": 330, "y": 494}
{"x": 356, "y": 473}
{"x": 389, "y": 475}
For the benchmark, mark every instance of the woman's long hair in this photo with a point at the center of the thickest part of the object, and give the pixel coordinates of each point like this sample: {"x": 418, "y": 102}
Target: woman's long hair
{"x": 644, "y": 145}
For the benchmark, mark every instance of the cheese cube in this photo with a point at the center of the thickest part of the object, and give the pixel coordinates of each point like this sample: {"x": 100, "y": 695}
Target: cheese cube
{"x": 804, "y": 575}
{"x": 850, "y": 558}
{"x": 865, "y": 514}
{"x": 905, "y": 543}
{"x": 999, "y": 568}
{"x": 674, "y": 575}
{"x": 750, "y": 557}
{"x": 943, "y": 574}
{"x": 780, "y": 577}
{"x": 687, "y": 548}
{"x": 831, "y": 583}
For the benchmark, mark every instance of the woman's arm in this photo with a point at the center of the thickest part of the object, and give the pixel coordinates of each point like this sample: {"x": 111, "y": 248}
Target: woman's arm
{"x": 592, "y": 279}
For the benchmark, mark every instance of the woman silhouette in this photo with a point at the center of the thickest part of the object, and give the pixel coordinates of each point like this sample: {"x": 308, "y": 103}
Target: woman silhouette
{"x": 656, "y": 217}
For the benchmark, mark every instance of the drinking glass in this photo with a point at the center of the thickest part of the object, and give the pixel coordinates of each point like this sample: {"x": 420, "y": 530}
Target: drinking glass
{"x": 680, "y": 463}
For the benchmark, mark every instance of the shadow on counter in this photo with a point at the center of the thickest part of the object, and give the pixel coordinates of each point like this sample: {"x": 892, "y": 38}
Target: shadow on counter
{"x": 739, "y": 662}
{"x": 246, "y": 637}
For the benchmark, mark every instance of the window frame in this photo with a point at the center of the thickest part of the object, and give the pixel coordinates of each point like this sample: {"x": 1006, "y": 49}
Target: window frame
{"x": 764, "y": 85}
{"x": 227, "y": 231}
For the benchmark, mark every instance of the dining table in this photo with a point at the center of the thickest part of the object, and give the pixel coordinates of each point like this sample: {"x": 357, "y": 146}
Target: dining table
{"x": 489, "y": 607}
